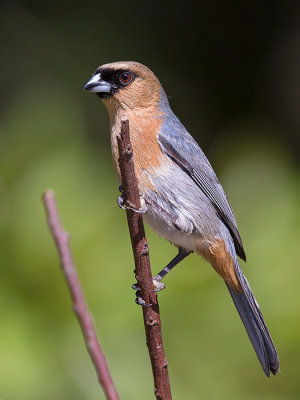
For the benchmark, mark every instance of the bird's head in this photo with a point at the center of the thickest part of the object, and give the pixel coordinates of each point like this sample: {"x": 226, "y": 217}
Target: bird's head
{"x": 125, "y": 85}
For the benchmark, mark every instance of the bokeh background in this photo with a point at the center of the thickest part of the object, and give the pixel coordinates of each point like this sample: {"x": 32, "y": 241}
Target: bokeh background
{"x": 231, "y": 70}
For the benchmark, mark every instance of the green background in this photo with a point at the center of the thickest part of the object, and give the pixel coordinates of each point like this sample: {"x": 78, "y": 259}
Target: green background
{"x": 231, "y": 70}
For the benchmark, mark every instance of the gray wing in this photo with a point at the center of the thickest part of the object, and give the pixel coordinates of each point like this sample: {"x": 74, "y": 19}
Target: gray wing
{"x": 186, "y": 153}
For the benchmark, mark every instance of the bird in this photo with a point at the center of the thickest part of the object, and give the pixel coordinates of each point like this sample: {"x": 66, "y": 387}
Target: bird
{"x": 181, "y": 197}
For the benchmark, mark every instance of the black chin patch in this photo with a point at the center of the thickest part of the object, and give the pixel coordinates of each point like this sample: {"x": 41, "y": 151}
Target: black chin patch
{"x": 104, "y": 96}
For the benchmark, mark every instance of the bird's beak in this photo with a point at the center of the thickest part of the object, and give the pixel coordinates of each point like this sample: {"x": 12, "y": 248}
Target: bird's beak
{"x": 97, "y": 85}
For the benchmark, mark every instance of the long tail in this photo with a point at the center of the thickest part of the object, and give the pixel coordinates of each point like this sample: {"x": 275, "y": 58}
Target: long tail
{"x": 254, "y": 323}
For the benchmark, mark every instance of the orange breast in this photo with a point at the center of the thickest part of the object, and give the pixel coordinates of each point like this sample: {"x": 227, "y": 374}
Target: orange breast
{"x": 146, "y": 150}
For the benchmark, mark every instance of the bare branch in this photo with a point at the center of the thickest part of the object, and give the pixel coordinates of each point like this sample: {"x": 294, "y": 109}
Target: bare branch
{"x": 142, "y": 266}
{"x": 61, "y": 239}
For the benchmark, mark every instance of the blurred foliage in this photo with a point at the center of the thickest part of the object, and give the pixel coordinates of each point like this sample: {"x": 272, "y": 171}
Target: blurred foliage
{"x": 231, "y": 70}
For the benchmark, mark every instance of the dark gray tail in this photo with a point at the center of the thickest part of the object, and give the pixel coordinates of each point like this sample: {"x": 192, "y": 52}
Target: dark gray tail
{"x": 255, "y": 325}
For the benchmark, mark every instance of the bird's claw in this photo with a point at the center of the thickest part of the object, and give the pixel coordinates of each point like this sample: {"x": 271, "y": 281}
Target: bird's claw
{"x": 140, "y": 301}
{"x": 120, "y": 201}
{"x": 121, "y": 204}
{"x": 141, "y": 210}
{"x": 127, "y": 206}
{"x": 158, "y": 285}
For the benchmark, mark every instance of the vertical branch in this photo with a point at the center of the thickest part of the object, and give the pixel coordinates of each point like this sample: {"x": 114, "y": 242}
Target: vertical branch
{"x": 142, "y": 266}
{"x": 61, "y": 239}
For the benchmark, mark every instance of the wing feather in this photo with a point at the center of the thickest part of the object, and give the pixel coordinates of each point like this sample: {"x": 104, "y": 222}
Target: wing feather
{"x": 196, "y": 165}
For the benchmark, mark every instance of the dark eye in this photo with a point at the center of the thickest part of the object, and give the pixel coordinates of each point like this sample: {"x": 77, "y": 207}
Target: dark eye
{"x": 125, "y": 78}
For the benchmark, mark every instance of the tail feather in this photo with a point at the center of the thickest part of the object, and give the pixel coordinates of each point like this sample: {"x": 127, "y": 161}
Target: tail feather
{"x": 254, "y": 323}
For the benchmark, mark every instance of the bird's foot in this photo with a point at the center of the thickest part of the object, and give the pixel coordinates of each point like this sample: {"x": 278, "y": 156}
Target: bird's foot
{"x": 121, "y": 202}
{"x": 158, "y": 285}
{"x": 127, "y": 205}
{"x": 140, "y": 301}
{"x": 121, "y": 199}
{"x": 141, "y": 210}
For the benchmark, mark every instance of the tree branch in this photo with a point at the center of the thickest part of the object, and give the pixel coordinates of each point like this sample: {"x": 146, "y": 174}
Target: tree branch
{"x": 61, "y": 239}
{"x": 142, "y": 266}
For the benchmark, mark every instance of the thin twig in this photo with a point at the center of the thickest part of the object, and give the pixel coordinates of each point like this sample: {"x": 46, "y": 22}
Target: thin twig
{"x": 61, "y": 239}
{"x": 142, "y": 266}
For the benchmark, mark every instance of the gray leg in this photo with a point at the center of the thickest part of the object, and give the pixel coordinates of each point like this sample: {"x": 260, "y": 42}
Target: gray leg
{"x": 182, "y": 254}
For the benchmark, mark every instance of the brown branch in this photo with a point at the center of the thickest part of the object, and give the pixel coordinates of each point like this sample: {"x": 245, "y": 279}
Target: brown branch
{"x": 142, "y": 266}
{"x": 61, "y": 239}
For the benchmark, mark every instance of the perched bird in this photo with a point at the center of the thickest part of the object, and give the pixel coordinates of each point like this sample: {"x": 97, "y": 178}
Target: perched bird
{"x": 182, "y": 198}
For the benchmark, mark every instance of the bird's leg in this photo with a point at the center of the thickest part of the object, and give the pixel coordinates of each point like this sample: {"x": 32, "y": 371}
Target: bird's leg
{"x": 182, "y": 253}
{"x": 125, "y": 205}
{"x": 140, "y": 301}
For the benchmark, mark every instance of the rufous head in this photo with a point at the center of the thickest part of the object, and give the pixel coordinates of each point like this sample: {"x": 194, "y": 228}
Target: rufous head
{"x": 125, "y": 85}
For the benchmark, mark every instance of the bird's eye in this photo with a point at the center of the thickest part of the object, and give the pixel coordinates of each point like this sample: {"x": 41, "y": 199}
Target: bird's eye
{"x": 125, "y": 78}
